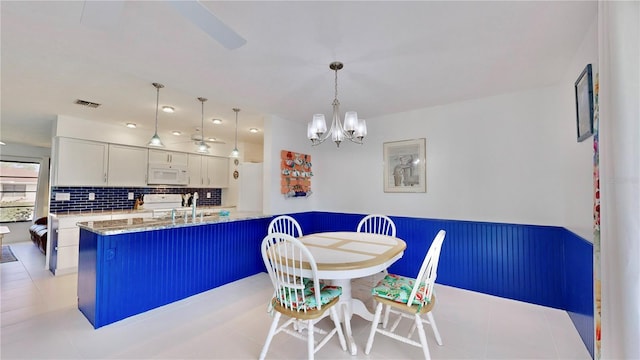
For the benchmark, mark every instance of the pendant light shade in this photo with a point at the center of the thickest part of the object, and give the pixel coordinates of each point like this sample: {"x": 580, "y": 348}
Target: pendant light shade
{"x": 203, "y": 148}
{"x": 155, "y": 139}
{"x": 235, "y": 153}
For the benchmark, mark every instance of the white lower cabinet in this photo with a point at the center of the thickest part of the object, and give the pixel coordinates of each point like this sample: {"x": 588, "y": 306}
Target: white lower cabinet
{"x": 64, "y": 237}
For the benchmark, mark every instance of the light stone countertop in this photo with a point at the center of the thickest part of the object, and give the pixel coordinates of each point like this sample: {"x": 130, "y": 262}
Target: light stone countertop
{"x": 122, "y": 226}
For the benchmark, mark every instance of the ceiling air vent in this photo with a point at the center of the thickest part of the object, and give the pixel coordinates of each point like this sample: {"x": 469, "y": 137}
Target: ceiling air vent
{"x": 87, "y": 103}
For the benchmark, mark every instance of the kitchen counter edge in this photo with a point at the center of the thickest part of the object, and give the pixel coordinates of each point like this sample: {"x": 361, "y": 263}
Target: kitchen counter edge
{"x": 123, "y": 226}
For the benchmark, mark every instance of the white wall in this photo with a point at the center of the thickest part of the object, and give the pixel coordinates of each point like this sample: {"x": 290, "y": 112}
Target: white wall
{"x": 578, "y": 187}
{"x": 280, "y": 135}
{"x": 617, "y": 251}
{"x": 493, "y": 159}
{"x": 505, "y": 158}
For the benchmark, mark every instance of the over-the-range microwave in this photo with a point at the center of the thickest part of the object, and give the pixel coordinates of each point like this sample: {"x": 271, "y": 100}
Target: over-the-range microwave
{"x": 164, "y": 174}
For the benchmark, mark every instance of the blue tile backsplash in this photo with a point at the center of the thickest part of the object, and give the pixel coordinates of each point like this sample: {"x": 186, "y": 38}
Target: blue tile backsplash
{"x": 116, "y": 198}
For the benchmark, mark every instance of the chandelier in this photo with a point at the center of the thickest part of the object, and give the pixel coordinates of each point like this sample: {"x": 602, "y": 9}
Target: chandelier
{"x": 353, "y": 129}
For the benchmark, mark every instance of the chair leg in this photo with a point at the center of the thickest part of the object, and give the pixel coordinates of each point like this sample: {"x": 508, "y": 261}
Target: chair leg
{"x": 432, "y": 321}
{"x": 387, "y": 311}
{"x": 272, "y": 331}
{"x": 336, "y": 322}
{"x": 423, "y": 337}
{"x": 310, "y": 340}
{"x": 374, "y": 327}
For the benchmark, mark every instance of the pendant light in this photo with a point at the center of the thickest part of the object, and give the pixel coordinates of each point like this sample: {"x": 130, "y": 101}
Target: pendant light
{"x": 235, "y": 153}
{"x": 155, "y": 139}
{"x": 203, "y": 148}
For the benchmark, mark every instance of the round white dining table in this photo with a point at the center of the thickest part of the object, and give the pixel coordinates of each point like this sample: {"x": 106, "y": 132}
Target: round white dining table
{"x": 346, "y": 255}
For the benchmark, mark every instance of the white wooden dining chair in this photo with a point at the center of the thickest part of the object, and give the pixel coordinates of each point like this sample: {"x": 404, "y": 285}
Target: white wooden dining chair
{"x": 409, "y": 299}
{"x": 377, "y": 224}
{"x": 285, "y": 224}
{"x": 304, "y": 300}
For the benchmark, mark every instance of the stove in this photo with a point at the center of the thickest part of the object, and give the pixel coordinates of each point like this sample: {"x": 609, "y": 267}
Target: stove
{"x": 162, "y": 204}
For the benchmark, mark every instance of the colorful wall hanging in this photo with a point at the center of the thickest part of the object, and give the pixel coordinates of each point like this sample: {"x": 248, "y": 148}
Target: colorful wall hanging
{"x": 596, "y": 221}
{"x": 295, "y": 174}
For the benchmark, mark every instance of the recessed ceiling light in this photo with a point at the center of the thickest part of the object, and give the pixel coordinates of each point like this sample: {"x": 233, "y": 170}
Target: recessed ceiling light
{"x": 131, "y": 125}
{"x": 168, "y": 109}
{"x": 176, "y": 133}
{"x": 253, "y": 130}
{"x": 217, "y": 121}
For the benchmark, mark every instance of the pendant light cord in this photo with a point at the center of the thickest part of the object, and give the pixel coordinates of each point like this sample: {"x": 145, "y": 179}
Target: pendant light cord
{"x": 336, "y": 84}
{"x": 237, "y": 111}
{"x": 157, "y": 105}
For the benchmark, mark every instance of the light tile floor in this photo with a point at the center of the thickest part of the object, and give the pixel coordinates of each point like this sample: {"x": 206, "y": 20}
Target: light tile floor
{"x": 40, "y": 320}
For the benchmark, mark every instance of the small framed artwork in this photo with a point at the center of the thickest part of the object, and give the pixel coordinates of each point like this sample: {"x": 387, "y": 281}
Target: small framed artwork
{"x": 405, "y": 166}
{"x": 584, "y": 104}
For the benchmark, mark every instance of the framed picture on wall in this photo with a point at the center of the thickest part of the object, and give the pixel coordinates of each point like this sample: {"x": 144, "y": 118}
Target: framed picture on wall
{"x": 405, "y": 166}
{"x": 584, "y": 104}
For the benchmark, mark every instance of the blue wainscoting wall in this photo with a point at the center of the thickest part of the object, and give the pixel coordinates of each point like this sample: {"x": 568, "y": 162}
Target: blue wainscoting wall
{"x": 579, "y": 285}
{"x": 122, "y": 275}
{"x": 542, "y": 265}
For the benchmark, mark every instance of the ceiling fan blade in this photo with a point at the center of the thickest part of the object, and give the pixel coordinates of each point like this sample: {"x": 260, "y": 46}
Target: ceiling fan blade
{"x": 197, "y": 138}
{"x": 103, "y": 15}
{"x": 209, "y": 23}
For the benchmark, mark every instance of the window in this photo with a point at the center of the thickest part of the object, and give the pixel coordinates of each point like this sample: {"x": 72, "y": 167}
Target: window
{"x": 18, "y": 185}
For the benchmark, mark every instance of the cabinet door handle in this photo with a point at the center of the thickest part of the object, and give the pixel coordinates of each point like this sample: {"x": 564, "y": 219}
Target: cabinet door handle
{"x": 105, "y": 177}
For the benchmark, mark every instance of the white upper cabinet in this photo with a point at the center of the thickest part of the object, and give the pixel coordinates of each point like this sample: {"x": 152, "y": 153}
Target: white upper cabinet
{"x": 127, "y": 166}
{"x": 80, "y": 162}
{"x": 195, "y": 171}
{"x": 168, "y": 157}
{"x": 217, "y": 172}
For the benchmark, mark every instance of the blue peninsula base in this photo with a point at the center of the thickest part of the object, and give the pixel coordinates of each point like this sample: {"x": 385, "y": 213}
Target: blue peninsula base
{"x": 125, "y": 274}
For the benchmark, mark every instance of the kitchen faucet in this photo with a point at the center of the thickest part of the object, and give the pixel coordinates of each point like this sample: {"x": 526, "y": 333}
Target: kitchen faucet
{"x": 193, "y": 206}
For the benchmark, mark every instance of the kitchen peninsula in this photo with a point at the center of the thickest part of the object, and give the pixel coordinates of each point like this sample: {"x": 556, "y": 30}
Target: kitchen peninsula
{"x": 130, "y": 266}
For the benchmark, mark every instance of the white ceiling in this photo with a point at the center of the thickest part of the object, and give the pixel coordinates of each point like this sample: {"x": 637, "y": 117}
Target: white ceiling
{"x": 398, "y": 56}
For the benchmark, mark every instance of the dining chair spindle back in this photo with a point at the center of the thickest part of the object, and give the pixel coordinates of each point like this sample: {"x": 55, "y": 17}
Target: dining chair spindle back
{"x": 409, "y": 299}
{"x": 377, "y": 224}
{"x": 302, "y": 299}
{"x": 285, "y": 224}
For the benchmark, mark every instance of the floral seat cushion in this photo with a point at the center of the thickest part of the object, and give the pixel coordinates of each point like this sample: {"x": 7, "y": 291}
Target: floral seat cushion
{"x": 299, "y": 302}
{"x": 398, "y": 288}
